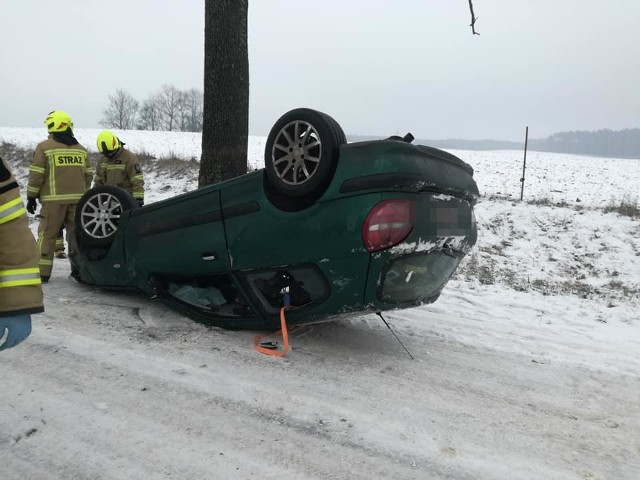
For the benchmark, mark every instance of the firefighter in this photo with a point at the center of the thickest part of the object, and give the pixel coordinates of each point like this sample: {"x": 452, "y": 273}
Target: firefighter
{"x": 59, "y": 175}
{"x": 59, "y": 248}
{"x": 20, "y": 286}
{"x": 118, "y": 166}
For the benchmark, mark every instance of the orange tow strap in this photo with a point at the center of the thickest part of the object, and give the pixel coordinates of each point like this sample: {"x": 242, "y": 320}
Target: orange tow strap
{"x": 259, "y": 345}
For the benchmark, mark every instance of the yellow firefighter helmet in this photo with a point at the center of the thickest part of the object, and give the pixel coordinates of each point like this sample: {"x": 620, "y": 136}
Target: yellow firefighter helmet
{"x": 58, "y": 121}
{"x": 107, "y": 142}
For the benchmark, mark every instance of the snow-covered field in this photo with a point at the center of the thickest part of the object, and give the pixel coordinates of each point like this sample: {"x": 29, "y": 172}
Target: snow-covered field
{"x": 527, "y": 367}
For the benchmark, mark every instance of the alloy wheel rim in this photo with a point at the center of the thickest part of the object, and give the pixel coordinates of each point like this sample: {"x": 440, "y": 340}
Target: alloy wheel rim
{"x": 100, "y": 215}
{"x": 296, "y": 152}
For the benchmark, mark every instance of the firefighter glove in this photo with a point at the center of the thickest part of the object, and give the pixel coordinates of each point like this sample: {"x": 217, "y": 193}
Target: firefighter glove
{"x": 14, "y": 329}
{"x": 31, "y": 205}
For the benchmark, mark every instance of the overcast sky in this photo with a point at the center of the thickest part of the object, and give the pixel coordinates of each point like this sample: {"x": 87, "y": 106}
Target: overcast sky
{"x": 379, "y": 67}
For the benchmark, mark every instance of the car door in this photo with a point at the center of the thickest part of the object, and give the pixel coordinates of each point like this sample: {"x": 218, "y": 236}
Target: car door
{"x": 183, "y": 236}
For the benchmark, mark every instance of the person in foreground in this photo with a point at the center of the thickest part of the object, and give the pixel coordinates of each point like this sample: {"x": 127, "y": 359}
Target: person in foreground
{"x": 20, "y": 286}
{"x": 118, "y": 166}
{"x": 59, "y": 175}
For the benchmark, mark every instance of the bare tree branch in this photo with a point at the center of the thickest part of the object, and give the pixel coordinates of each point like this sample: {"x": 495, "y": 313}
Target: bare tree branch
{"x": 121, "y": 112}
{"x": 473, "y": 18}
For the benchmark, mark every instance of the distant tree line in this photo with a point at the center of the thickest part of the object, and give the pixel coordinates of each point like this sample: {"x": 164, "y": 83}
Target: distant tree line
{"x": 601, "y": 143}
{"x": 169, "y": 109}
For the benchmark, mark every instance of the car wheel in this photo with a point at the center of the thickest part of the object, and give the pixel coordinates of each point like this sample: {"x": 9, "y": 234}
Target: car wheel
{"x": 342, "y": 138}
{"x": 302, "y": 152}
{"x": 98, "y": 214}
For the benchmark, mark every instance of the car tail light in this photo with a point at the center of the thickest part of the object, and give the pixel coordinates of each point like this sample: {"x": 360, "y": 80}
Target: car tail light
{"x": 388, "y": 223}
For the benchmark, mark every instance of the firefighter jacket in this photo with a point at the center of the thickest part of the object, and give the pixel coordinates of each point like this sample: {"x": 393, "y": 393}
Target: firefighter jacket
{"x": 59, "y": 173}
{"x": 122, "y": 170}
{"x": 20, "y": 287}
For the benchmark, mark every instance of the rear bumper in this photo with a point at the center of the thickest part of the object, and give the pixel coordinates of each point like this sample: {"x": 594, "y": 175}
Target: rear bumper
{"x": 416, "y": 270}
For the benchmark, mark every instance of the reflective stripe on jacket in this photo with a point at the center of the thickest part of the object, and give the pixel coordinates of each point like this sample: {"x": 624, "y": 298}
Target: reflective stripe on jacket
{"x": 12, "y": 210}
{"x": 20, "y": 287}
{"x": 19, "y": 276}
{"x": 59, "y": 173}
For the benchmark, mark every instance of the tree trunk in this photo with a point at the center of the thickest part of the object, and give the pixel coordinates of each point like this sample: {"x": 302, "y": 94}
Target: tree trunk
{"x": 226, "y": 91}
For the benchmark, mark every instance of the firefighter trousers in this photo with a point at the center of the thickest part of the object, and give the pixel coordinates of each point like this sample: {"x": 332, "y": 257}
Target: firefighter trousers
{"x": 53, "y": 216}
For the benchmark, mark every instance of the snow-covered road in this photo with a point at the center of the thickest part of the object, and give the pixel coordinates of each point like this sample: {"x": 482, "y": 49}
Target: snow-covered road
{"x": 114, "y": 386}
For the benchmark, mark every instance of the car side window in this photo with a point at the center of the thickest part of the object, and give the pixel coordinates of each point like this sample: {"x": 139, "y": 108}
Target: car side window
{"x": 306, "y": 285}
{"x": 211, "y": 295}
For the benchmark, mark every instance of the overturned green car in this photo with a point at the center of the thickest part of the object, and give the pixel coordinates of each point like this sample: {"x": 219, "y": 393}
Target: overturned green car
{"x": 328, "y": 228}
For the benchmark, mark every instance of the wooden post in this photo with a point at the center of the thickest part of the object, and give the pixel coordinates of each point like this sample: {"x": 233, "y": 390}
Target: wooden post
{"x": 524, "y": 163}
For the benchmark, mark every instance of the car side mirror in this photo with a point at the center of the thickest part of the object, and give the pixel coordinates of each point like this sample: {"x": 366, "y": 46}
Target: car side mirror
{"x": 407, "y": 138}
